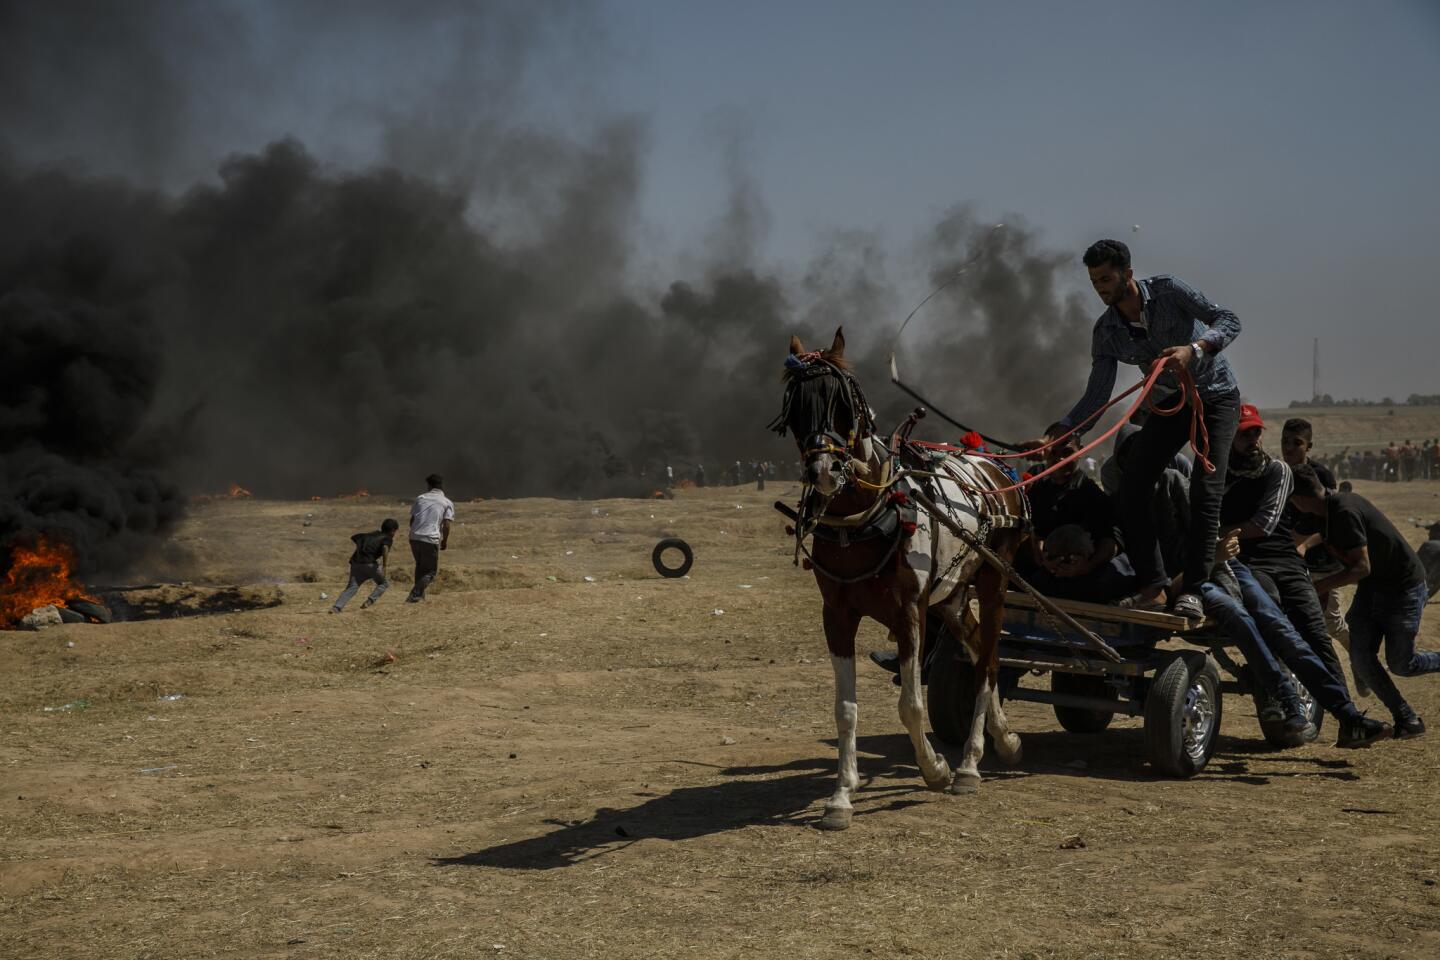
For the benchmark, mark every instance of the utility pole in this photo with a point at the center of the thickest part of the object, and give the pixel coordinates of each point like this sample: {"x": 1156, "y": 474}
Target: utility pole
{"x": 1315, "y": 374}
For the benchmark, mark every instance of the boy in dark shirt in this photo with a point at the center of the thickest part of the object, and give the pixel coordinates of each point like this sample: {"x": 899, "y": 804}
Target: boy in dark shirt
{"x": 372, "y": 550}
{"x": 1390, "y": 595}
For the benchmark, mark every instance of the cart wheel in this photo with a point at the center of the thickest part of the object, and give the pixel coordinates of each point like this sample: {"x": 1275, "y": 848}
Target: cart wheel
{"x": 1082, "y": 719}
{"x": 950, "y": 695}
{"x": 1182, "y": 714}
{"x": 1274, "y": 729}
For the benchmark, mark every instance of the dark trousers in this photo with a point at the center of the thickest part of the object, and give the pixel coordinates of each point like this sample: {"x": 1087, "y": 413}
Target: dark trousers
{"x": 1391, "y": 617}
{"x": 1296, "y": 591}
{"x": 1256, "y": 623}
{"x": 427, "y": 564}
{"x": 361, "y": 573}
{"x": 1152, "y": 451}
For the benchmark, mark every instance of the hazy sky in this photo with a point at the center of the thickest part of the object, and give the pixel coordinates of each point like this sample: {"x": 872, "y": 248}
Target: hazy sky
{"x": 1281, "y": 156}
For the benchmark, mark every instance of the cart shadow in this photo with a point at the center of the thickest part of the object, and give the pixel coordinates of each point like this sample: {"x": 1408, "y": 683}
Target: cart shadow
{"x": 767, "y": 795}
{"x": 1114, "y": 755}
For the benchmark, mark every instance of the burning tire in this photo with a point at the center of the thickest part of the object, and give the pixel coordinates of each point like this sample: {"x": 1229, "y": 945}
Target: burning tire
{"x": 657, "y": 557}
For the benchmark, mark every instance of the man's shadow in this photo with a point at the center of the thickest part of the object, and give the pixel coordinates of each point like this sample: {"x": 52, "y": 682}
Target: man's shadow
{"x": 741, "y": 800}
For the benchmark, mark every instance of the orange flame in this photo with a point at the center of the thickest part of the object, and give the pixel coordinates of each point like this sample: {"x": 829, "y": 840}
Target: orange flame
{"x": 238, "y": 492}
{"x": 360, "y": 494}
{"x": 38, "y": 576}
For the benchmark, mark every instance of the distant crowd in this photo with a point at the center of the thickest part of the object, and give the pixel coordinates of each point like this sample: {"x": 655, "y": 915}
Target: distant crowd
{"x": 1391, "y": 464}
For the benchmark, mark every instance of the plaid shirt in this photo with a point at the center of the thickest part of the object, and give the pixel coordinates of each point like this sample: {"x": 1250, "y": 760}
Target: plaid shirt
{"x": 1176, "y": 314}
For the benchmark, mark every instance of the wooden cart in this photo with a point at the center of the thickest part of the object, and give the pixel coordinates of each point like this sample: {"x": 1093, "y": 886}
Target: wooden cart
{"x": 1170, "y": 675}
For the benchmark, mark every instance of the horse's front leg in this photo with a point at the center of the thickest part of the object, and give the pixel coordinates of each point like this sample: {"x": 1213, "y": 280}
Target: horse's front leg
{"x": 840, "y": 630}
{"x": 912, "y": 711}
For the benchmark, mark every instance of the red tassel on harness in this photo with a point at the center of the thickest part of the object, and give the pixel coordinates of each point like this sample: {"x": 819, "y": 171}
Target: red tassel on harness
{"x": 900, "y": 497}
{"x": 907, "y": 526}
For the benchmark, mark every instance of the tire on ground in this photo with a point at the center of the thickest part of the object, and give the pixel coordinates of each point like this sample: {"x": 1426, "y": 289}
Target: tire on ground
{"x": 658, "y": 554}
{"x": 1082, "y": 719}
{"x": 1182, "y": 714}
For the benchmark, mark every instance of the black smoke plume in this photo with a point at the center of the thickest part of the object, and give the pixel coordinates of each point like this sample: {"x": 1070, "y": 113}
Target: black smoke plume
{"x": 79, "y": 368}
{"x": 467, "y": 304}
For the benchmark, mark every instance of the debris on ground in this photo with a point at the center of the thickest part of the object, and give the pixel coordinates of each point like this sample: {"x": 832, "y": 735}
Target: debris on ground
{"x": 72, "y": 705}
{"x": 42, "y": 617}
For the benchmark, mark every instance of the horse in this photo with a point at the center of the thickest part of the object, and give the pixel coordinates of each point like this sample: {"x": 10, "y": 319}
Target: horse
{"x": 875, "y": 555}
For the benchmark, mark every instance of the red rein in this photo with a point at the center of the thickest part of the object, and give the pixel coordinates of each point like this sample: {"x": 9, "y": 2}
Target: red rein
{"x": 1189, "y": 394}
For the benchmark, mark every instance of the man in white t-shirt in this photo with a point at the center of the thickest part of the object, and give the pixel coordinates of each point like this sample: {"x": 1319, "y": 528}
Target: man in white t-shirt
{"x": 430, "y": 517}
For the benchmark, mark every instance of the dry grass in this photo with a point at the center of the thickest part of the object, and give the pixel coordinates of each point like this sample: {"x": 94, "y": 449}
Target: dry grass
{"x": 541, "y": 771}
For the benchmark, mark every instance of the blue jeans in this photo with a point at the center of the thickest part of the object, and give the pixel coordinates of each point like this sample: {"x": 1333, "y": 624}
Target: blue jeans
{"x": 1392, "y": 617}
{"x": 1243, "y": 632}
{"x": 1257, "y": 622}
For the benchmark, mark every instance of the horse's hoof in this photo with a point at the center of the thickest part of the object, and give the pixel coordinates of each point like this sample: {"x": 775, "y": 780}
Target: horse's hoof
{"x": 965, "y": 783}
{"x": 836, "y": 818}
{"x": 1011, "y": 755}
{"x": 941, "y": 779}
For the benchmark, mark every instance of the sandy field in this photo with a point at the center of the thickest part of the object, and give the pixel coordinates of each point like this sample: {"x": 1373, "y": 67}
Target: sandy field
{"x": 562, "y": 755}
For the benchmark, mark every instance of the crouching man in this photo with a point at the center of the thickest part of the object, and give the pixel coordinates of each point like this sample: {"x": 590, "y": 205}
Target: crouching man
{"x": 372, "y": 552}
{"x": 1389, "y": 598}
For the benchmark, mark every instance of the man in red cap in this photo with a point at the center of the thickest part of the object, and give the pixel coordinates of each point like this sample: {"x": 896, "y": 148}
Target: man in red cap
{"x": 1257, "y": 489}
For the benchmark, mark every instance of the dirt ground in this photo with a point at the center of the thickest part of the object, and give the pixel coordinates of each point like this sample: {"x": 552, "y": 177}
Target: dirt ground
{"x": 534, "y": 764}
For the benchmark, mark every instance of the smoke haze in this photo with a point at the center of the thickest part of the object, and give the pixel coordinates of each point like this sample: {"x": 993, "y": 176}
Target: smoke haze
{"x": 467, "y": 300}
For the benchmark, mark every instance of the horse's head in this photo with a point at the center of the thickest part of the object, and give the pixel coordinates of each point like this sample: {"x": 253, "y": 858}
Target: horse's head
{"x": 824, "y": 411}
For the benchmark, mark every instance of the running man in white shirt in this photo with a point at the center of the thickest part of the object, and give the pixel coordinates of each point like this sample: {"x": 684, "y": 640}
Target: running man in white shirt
{"x": 430, "y": 517}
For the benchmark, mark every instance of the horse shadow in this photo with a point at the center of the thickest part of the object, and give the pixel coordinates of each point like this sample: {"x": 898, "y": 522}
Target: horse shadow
{"x": 767, "y": 795}
{"x": 783, "y": 794}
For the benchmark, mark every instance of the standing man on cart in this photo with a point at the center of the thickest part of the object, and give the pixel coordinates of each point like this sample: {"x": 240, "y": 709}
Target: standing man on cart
{"x": 1145, "y": 320}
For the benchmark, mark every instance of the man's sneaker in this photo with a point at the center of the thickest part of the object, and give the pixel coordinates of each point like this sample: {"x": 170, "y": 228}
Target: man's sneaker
{"x": 886, "y": 660}
{"x": 413, "y": 599}
{"x": 367, "y": 604}
{"x": 1409, "y": 728}
{"x": 1361, "y": 732}
{"x": 1189, "y": 606}
{"x": 1297, "y": 724}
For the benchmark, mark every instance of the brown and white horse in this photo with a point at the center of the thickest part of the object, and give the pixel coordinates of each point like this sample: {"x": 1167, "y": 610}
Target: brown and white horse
{"x": 865, "y": 570}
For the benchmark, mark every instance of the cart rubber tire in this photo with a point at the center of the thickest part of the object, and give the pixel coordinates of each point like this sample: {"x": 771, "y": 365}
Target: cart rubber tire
{"x": 1082, "y": 719}
{"x": 1182, "y": 714}
{"x": 1274, "y": 730}
{"x": 672, "y": 543}
{"x": 950, "y": 695}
